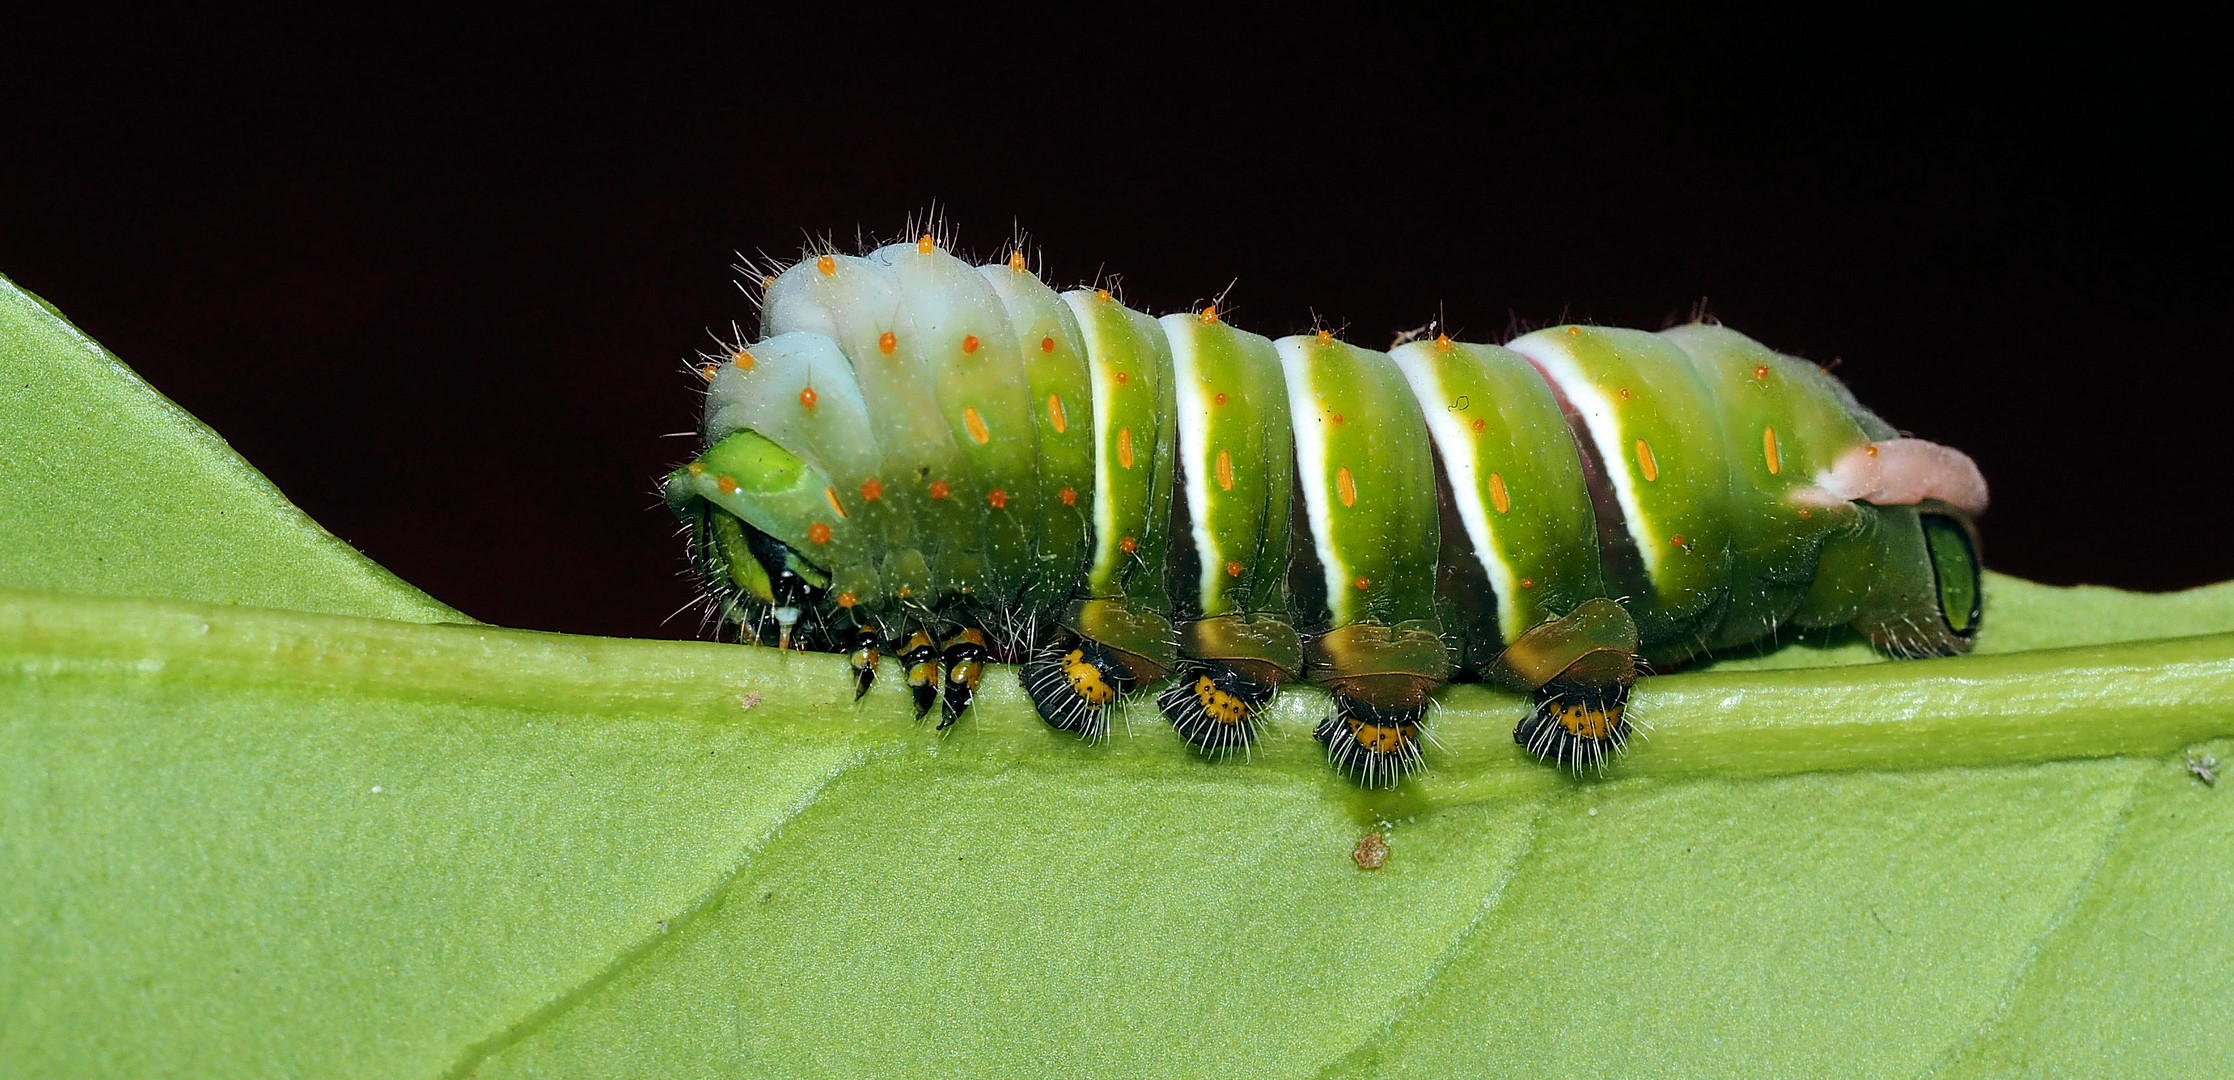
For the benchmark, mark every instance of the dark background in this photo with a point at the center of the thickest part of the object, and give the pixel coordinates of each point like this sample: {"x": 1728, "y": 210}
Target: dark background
{"x": 439, "y": 281}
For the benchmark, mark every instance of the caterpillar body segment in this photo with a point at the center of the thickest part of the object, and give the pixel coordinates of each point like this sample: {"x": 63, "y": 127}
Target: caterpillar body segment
{"x": 960, "y": 465}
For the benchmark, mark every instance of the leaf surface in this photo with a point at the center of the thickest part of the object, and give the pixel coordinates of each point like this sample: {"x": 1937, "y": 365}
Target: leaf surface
{"x": 308, "y": 836}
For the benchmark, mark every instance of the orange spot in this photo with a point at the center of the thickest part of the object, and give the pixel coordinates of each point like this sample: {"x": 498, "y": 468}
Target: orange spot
{"x": 1528, "y": 583}
{"x": 938, "y": 489}
{"x": 904, "y": 591}
{"x": 924, "y": 245}
{"x": 969, "y": 343}
{"x": 1676, "y": 540}
{"x": 1125, "y": 447}
{"x": 1210, "y": 313}
{"x": 1806, "y": 513}
{"x": 1761, "y": 372}
{"x": 743, "y": 360}
{"x": 807, "y": 397}
{"x": 1497, "y": 495}
{"x": 1225, "y": 471}
{"x": 998, "y": 498}
{"x": 1345, "y": 487}
{"x": 818, "y": 533}
{"x": 846, "y": 599}
{"x": 1574, "y": 331}
{"x": 767, "y": 281}
{"x": 1768, "y": 450}
{"x": 1624, "y": 393}
{"x": 886, "y": 343}
{"x": 831, "y": 494}
{"x": 1127, "y": 545}
{"x": 1123, "y": 378}
{"x": 1339, "y": 420}
{"x": 1326, "y": 337}
{"x": 871, "y": 491}
{"x": 827, "y": 265}
{"x": 1646, "y": 462}
{"x": 697, "y": 469}
{"x": 727, "y": 484}
{"x": 1016, "y": 261}
{"x": 1480, "y": 424}
{"x": 1047, "y": 344}
{"x": 1101, "y": 294}
{"x": 1443, "y": 342}
{"x": 1361, "y": 583}
{"x": 707, "y": 372}
{"x": 1220, "y": 399}
{"x": 1873, "y": 449}
{"x": 1069, "y": 496}
{"x": 976, "y": 424}
{"x": 1055, "y": 414}
{"x": 1233, "y": 569}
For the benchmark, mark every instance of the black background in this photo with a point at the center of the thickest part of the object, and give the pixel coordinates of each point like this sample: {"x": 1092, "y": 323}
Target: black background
{"x": 439, "y": 281}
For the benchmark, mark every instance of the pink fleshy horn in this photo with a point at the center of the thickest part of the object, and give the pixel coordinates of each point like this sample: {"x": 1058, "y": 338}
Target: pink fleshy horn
{"x": 1904, "y": 472}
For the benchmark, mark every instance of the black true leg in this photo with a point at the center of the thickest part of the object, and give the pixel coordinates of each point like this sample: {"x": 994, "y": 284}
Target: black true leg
{"x": 920, "y": 656}
{"x": 965, "y": 655}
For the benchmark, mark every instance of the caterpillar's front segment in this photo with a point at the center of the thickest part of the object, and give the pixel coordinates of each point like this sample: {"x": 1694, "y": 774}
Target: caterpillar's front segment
{"x": 958, "y": 465}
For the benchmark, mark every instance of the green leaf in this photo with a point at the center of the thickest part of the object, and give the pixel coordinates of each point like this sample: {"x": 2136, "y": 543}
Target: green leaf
{"x": 332, "y": 840}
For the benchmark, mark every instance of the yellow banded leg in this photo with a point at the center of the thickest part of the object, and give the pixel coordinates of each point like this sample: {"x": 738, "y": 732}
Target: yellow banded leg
{"x": 965, "y": 655}
{"x": 1214, "y": 707}
{"x": 1378, "y": 745}
{"x": 1073, "y": 686}
{"x": 866, "y": 651}
{"x": 920, "y": 656}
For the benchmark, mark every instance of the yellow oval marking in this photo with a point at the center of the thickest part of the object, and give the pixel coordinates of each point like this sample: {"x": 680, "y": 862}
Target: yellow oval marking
{"x": 831, "y": 494}
{"x": 1225, "y": 471}
{"x": 1646, "y": 463}
{"x": 1125, "y": 447}
{"x": 1497, "y": 496}
{"x": 1345, "y": 487}
{"x": 976, "y": 424}
{"x": 1055, "y": 414}
{"x": 1768, "y": 450}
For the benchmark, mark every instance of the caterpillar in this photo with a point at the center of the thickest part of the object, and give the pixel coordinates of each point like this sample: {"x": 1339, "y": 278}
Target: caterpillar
{"x": 962, "y": 466}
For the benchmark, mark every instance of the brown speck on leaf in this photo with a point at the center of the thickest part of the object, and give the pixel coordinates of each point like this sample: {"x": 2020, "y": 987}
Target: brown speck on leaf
{"x": 1371, "y": 851}
{"x": 749, "y": 701}
{"x": 2205, "y": 768}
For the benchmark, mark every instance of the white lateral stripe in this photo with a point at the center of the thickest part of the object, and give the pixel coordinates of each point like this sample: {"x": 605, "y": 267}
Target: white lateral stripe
{"x": 1194, "y": 451}
{"x": 1105, "y": 504}
{"x": 1559, "y": 365}
{"x": 1310, "y": 464}
{"x": 1457, "y": 446}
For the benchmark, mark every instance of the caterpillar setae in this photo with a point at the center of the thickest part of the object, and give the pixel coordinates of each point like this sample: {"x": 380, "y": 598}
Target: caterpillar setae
{"x": 961, "y": 465}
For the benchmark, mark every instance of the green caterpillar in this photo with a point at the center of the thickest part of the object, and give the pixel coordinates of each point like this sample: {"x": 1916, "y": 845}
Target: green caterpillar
{"x": 960, "y": 464}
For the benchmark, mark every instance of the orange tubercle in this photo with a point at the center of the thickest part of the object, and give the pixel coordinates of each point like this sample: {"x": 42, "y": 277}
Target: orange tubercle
{"x": 1128, "y": 545}
{"x": 871, "y": 491}
{"x": 807, "y": 397}
{"x": 1069, "y": 496}
{"x": 827, "y": 265}
{"x": 969, "y": 343}
{"x": 1443, "y": 342}
{"x": 846, "y": 600}
{"x": 1326, "y": 337}
{"x": 925, "y": 245}
{"x": 1233, "y": 569}
{"x": 1210, "y": 313}
{"x": 727, "y": 484}
{"x": 998, "y": 498}
{"x": 1047, "y": 344}
{"x": 707, "y": 372}
{"x": 938, "y": 489}
{"x": 743, "y": 360}
{"x": 1362, "y": 584}
{"x": 887, "y": 342}
{"x": 1016, "y": 261}
{"x": 818, "y": 533}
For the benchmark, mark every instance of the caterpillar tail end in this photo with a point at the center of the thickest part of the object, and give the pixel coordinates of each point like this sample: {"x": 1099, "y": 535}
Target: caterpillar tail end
{"x": 1377, "y": 745}
{"x": 1073, "y": 688}
{"x": 1214, "y": 707}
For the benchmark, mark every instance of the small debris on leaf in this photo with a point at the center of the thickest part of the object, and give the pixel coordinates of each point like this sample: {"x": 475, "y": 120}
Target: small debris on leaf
{"x": 1371, "y": 851}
